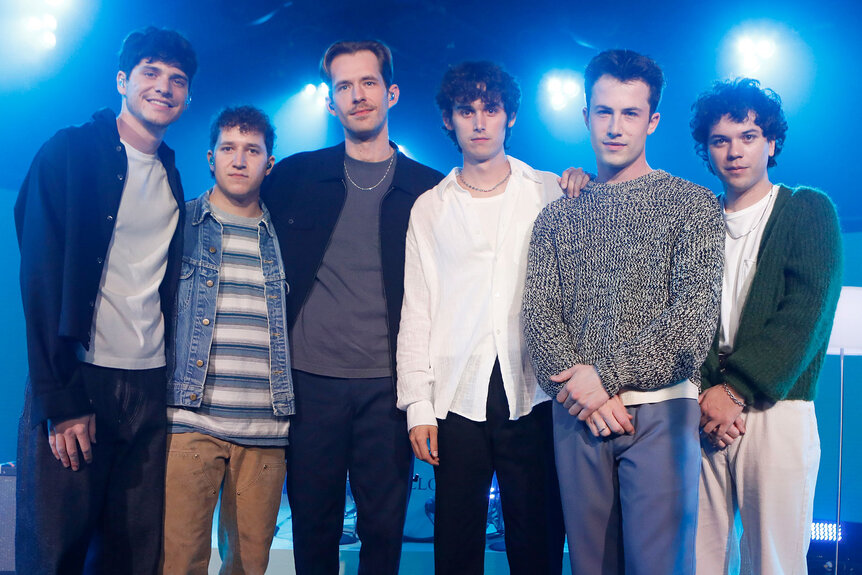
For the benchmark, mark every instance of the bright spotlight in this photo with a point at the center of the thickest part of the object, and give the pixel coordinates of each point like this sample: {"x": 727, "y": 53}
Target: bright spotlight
{"x": 32, "y": 24}
{"x": 562, "y": 88}
{"x": 405, "y": 151}
{"x": 765, "y": 48}
{"x": 309, "y": 89}
{"x": 754, "y": 53}
{"x": 47, "y": 40}
{"x": 561, "y": 98}
{"x": 559, "y": 101}
{"x": 49, "y": 22}
{"x": 772, "y": 53}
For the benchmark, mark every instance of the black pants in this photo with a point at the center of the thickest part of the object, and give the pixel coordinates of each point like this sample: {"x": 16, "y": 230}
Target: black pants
{"x": 341, "y": 426}
{"x": 107, "y": 516}
{"x": 522, "y": 454}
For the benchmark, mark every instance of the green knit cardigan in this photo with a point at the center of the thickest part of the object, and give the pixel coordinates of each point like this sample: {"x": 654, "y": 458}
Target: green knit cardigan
{"x": 785, "y": 323}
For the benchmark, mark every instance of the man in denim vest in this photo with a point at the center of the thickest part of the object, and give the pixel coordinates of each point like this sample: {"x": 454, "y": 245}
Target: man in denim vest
{"x": 230, "y": 391}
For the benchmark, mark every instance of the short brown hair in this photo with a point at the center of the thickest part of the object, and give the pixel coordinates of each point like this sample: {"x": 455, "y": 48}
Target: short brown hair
{"x": 379, "y": 49}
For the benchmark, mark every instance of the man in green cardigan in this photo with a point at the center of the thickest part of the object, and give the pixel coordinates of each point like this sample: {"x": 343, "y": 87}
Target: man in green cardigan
{"x": 782, "y": 278}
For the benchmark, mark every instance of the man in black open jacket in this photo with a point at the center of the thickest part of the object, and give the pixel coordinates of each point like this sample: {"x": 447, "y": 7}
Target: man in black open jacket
{"x": 97, "y": 219}
{"x": 341, "y": 216}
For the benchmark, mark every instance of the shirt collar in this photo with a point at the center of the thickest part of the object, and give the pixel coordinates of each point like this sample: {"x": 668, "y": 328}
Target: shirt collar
{"x": 519, "y": 170}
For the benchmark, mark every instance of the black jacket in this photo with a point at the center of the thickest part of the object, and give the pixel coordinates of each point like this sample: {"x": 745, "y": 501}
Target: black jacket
{"x": 305, "y": 194}
{"x": 64, "y": 216}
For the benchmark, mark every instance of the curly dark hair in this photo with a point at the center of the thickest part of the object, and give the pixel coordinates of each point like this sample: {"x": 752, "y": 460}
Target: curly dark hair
{"x": 625, "y": 66}
{"x": 486, "y": 81}
{"x": 160, "y": 45}
{"x": 736, "y": 98}
{"x": 248, "y": 119}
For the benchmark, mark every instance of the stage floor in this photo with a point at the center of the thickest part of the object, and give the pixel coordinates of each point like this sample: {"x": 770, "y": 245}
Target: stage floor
{"x": 416, "y": 558}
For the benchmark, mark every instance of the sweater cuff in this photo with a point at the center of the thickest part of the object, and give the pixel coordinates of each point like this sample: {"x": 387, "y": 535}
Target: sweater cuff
{"x": 420, "y": 413}
{"x": 609, "y": 375}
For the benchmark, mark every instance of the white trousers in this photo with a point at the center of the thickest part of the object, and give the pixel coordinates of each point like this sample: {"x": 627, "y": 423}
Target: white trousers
{"x": 757, "y": 495}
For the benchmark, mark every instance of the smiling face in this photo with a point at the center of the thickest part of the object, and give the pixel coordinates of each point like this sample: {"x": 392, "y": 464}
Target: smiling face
{"x": 619, "y": 122}
{"x": 739, "y": 155}
{"x": 359, "y": 96}
{"x": 479, "y": 129}
{"x": 239, "y": 164}
{"x": 155, "y": 94}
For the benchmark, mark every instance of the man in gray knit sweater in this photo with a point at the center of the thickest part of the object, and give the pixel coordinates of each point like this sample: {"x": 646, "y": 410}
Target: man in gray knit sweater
{"x": 620, "y": 306}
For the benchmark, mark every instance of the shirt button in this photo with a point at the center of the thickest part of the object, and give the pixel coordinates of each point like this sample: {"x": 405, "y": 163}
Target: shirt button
{"x": 290, "y": 220}
{"x": 110, "y": 218}
{"x": 92, "y": 303}
{"x": 99, "y": 260}
{"x": 119, "y": 148}
{"x": 121, "y": 177}
{"x": 205, "y": 321}
{"x": 498, "y": 332}
{"x": 193, "y": 396}
{"x": 212, "y": 250}
{"x": 209, "y": 283}
{"x": 199, "y": 363}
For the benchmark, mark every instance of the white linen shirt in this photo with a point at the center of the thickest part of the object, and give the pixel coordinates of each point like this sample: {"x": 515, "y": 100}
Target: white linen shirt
{"x": 462, "y": 301}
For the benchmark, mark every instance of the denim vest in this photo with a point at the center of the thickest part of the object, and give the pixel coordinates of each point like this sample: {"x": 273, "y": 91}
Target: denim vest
{"x": 196, "y": 309}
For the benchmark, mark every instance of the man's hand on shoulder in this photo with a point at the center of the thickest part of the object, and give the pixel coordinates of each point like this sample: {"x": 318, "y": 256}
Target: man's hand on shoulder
{"x": 583, "y": 392}
{"x": 423, "y": 438}
{"x": 572, "y": 181}
{"x": 66, "y": 436}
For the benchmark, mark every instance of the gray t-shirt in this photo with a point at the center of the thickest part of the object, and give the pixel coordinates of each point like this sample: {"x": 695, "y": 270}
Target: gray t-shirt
{"x": 342, "y": 329}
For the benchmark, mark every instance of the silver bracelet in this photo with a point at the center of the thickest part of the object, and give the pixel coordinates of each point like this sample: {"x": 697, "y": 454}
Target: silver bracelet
{"x": 733, "y": 398}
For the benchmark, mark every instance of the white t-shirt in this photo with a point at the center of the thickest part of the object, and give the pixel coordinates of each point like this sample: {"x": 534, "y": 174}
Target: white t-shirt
{"x": 128, "y": 329}
{"x": 744, "y": 231}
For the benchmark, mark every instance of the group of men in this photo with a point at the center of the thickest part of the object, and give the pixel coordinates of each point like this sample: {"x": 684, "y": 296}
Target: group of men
{"x": 636, "y": 362}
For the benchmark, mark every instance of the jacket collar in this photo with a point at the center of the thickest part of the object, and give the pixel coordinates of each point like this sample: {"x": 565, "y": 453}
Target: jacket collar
{"x": 105, "y": 121}
{"x": 203, "y": 208}
{"x": 332, "y": 166}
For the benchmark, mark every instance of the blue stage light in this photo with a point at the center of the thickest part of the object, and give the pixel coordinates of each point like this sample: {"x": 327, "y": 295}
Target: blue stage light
{"x": 40, "y": 31}
{"x": 562, "y": 88}
{"x": 825, "y": 531}
{"x": 754, "y": 53}
{"x": 561, "y": 100}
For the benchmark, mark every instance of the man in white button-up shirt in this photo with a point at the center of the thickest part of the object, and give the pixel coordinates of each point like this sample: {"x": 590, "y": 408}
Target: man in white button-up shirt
{"x": 464, "y": 374}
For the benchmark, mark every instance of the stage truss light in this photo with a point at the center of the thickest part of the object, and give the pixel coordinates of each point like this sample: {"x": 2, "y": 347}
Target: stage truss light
{"x": 562, "y": 89}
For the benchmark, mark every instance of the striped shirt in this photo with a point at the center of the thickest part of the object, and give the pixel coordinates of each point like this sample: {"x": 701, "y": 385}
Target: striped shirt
{"x": 237, "y": 402}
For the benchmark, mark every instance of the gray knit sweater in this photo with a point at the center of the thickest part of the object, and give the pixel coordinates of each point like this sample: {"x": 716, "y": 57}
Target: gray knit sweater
{"x": 626, "y": 278}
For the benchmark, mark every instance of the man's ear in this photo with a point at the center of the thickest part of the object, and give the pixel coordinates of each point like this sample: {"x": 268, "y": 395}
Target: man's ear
{"x": 330, "y": 105}
{"x": 653, "y": 123}
{"x": 586, "y": 112}
{"x": 447, "y": 121}
{"x": 121, "y": 82}
{"x": 211, "y": 161}
{"x": 512, "y": 119}
{"x": 771, "y": 148}
{"x": 394, "y": 93}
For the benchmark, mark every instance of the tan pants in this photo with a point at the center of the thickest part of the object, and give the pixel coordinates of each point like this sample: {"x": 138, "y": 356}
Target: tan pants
{"x": 765, "y": 481}
{"x": 250, "y": 479}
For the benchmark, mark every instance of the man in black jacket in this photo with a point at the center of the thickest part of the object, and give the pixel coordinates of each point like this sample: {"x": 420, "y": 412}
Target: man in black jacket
{"x": 97, "y": 219}
{"x": 341, "y": 216}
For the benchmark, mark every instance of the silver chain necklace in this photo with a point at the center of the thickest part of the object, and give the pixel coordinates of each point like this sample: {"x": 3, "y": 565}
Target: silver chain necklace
{"x": 492, "y": 188}
{"x": 389, "y": 167}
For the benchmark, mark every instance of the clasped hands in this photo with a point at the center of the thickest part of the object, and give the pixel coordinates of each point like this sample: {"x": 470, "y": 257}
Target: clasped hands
{"x": 585, "y": 397}
{"x": 720, "y": 418}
